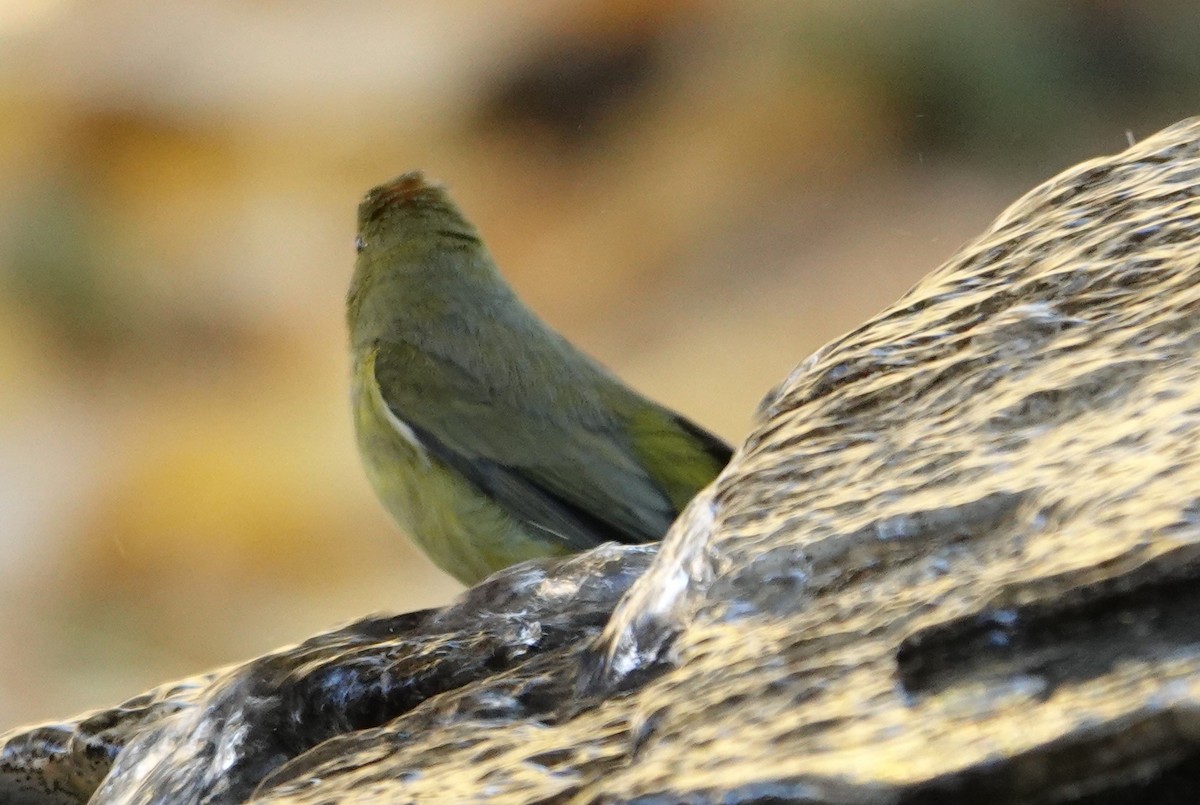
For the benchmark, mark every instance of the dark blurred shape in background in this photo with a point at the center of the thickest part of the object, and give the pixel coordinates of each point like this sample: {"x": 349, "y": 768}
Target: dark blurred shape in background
{"x": 698, "y": 193}
{"x": 571, "y": 88}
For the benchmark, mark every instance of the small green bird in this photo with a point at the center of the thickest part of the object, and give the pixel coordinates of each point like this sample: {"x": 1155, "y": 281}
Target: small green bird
{"x": 488, "y": 437}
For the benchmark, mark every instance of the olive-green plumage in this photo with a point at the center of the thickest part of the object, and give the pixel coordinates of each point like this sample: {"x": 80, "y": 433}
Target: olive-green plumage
{"x": 487, "y": 436}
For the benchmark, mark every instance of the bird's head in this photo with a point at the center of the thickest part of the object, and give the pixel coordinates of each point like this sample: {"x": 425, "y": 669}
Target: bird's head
{"x": 410, "y": 211}
{"x": 414, "y": 248}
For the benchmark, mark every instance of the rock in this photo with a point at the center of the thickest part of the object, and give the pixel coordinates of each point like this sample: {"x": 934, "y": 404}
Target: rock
{"x": 957, "y": 560}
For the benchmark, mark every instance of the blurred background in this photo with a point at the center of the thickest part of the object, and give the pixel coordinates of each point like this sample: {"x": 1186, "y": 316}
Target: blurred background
{"x": 698, "y": 193}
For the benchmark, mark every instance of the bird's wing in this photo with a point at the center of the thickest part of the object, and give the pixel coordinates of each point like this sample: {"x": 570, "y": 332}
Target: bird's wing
{"x": 680, "y": 455}
{"x": 579, "y": 485}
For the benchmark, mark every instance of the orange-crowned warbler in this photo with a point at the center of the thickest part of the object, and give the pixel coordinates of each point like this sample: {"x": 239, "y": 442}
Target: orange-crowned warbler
{"x": 487, "y": 436}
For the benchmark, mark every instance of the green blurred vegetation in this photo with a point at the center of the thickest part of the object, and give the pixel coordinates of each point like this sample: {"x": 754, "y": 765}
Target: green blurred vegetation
{"x": 996, "y": 82}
